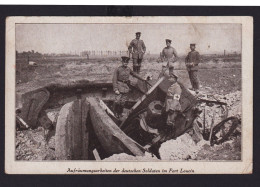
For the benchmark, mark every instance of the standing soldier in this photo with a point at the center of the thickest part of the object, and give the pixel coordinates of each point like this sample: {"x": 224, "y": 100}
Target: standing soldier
{"x": 192, "y": 60}
{"x": 169, "y": 54}
{"x": 172, "y": 104}
{"x": 120, "y": 85}
{"x": 137, "y": 48}
{"x": 172, "y": 107}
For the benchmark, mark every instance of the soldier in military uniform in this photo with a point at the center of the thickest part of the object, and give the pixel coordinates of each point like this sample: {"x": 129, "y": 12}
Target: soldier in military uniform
{"x": 120, "y": 85}
{"x": 172, "y": 107}
{"x": 172, "y": 104}
{"x": 137, "y": 49}
{"x": 192, "y": 60}
{"x": 169, "y": 54}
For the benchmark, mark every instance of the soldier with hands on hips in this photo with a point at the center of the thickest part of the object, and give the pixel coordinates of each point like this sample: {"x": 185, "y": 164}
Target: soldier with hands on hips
{"x": 192, "y": 61}
{"x": 169, "y": 54}
{"x": 137, "y": 49}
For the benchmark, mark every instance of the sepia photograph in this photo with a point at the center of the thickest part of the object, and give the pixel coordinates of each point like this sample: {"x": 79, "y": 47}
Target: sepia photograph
{"x": 130, "y": 95}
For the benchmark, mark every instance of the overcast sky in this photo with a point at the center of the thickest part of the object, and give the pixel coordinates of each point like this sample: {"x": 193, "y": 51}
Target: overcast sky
{"x": 64, "y": 38}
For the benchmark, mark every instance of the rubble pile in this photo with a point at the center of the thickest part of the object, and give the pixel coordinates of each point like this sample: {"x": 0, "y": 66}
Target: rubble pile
{"x": 23, "y": 144}
{"x": 232, "y": 99}
{"x": 31, "y": 145}
{"x": 183, "y": 148}
{"x": 126, "y": 157}
{"x": 233, "y": 108}
{"x": 230, "y": 150}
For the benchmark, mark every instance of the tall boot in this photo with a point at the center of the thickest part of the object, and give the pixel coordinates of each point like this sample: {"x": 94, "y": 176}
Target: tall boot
{"x": 135, "y": 69}
{"x": 138, "y": 69}
{"x": 115, "y": 109}
{"x": 171, "y": 70}
{"x": 120, "y": 111}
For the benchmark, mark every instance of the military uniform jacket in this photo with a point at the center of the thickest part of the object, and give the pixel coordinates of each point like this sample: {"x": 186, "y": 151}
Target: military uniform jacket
{"x": 120, "y": 78}
{"x": 193, "y": 56}
{"x": 138, "y": 48}
{"x": 173, "y": 96}
{"x": 169, "y": 54}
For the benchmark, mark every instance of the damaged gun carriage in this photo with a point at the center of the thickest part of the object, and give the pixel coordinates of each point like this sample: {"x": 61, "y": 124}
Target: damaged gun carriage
{"x": 87, "y": 129}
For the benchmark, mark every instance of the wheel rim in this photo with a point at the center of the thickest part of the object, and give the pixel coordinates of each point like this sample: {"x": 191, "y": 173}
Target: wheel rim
{"x": 223, "y": 130}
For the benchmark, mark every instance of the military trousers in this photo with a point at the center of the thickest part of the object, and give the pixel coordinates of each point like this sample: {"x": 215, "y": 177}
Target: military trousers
{"x": 194, "y": 80}
{"x": 171, "y": 118}
{"x": 137, "y": 62}
{"x": 119, "y": 103}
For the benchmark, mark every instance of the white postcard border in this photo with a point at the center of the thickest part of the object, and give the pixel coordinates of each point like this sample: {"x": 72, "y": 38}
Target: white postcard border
{"x": 93, "y": 167}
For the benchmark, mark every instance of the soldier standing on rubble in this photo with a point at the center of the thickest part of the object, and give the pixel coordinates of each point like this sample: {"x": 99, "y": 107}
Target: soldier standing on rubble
{"x": 172, "y": 104}
{"x": 120, "y": 85}
{"x": 169, "y": 54}
{"x": 192, "y": 60}
{"x": 137, "y": 49}
{"x": 172, "y": 107}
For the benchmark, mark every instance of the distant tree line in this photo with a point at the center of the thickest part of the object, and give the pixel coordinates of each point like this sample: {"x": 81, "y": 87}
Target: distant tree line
{"x": 27, "y": 54}
{"x": 104, "y": 53}
{"x": 33, "y": 54}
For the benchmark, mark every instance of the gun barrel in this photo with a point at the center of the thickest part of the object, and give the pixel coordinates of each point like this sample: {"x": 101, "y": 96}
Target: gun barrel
{"x": 208, "y": 101}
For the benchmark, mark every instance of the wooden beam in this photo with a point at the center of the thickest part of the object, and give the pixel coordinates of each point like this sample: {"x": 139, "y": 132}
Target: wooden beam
{"x": 111, "y": 137}
{"x": 144, "y": 97}
{"x": 104, "y": 106}
{"x": 96, "y": 155}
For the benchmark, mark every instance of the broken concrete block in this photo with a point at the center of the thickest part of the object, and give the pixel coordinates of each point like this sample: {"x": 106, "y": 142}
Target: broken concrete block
{"x": 31, "y": 105}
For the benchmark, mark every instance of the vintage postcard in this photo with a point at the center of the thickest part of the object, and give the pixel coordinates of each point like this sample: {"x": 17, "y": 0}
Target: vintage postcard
{"x": 129, "y": 95}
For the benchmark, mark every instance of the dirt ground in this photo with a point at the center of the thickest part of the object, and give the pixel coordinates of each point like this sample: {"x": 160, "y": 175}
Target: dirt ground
{"x": 227, "y": 74}
{"x": 216, "y": 77}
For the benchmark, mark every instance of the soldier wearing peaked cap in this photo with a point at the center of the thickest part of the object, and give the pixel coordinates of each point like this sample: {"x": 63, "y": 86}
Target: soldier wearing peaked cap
{"x": 137, "y": 49}
{"x": 120, "y": 85}
{"x": 192, "y": 61}
{"x": 169, "y": 54}
{"x": 172, "y": 104}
